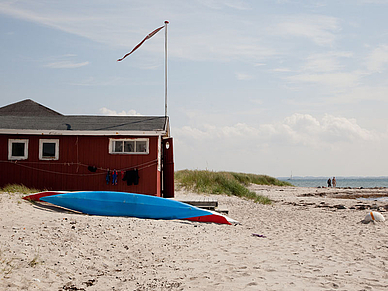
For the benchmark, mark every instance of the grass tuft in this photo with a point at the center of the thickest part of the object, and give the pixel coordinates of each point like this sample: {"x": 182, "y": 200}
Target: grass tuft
{"x": 18, "y": 188}
{"x": 6, "y": 266}
{"x": 34, "y": 261}
{"x": 229, "y": 183}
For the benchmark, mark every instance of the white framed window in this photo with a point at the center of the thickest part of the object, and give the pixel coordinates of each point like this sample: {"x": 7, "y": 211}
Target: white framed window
{"x": 17, "y": 149}
{"x": 129, "y": 146}
{"x": 49, "y": 149}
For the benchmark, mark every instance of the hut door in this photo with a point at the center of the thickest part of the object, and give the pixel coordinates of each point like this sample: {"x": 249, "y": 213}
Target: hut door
{"x": 168, "y": 168}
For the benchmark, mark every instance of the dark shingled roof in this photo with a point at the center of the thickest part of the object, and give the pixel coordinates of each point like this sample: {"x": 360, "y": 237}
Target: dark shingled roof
{"x": 58, "y": 121}
{"x": 27, "y": 107}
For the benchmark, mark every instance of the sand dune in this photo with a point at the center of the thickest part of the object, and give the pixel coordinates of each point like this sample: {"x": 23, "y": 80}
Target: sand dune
{"x": 303, "y": 241}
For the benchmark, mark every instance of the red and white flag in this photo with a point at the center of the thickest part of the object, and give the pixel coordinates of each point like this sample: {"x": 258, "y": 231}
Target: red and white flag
{"x": 136, "y": 47}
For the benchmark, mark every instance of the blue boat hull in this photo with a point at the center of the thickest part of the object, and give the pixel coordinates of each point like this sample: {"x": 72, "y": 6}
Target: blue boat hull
{"x": 125, "y": 204}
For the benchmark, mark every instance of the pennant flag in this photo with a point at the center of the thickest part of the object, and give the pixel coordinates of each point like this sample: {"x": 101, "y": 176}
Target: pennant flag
{"x": 136, "y": 47}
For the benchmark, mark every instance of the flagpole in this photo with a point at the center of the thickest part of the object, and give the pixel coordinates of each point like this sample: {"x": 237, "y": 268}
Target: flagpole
{"x": 165, "y": 69}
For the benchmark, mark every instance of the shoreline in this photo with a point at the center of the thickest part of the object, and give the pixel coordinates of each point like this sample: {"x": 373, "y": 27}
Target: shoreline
{"x": 341, "y": 182}
{"x": 307, "y": 239}
{"x": 351, "y": 193}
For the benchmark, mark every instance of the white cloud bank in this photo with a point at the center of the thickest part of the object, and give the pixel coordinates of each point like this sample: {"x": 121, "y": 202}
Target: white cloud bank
{"x": 300, "y": 142}
{"x": 301, "y": 129}
{"x": 106, "y": 111}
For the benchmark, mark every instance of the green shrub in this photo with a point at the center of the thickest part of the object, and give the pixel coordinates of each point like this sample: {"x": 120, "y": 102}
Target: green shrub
{"x": 225, "y": 183}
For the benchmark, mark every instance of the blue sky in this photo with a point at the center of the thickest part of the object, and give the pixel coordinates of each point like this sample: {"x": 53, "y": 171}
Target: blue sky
{"x": 266, "y": 87}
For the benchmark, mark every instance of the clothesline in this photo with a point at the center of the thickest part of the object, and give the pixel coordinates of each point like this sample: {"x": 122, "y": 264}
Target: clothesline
{"x": 22, "y": 164}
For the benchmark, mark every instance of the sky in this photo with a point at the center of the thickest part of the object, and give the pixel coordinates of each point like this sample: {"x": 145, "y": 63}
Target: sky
{"x": 266, "y": 87}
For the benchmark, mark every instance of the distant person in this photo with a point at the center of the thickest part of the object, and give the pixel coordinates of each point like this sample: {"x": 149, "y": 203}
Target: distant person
{"x": 334, "y": 182}
{"x": 329, "y": 183}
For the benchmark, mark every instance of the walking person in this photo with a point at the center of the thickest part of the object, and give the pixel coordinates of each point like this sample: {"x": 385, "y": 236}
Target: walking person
{"x": 334, "y": 182}
{"x": 329, "y": 183}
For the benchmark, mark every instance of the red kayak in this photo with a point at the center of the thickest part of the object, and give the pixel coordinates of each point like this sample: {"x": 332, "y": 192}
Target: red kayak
{"x": 215, "y": 217}
{"x": 37, "y": 196}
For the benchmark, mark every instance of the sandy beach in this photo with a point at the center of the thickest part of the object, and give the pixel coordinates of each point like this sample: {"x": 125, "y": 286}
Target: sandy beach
{"x": 308, "y": 239}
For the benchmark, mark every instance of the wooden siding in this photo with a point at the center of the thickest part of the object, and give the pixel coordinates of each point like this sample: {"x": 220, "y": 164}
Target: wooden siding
{"x": 71, "y": 172}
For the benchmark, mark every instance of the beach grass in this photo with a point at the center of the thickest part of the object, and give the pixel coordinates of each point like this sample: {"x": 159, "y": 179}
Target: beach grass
{"x": 229, "y": 183}
{"x": 35, "y": 260}
{"x": 18, "y": 188}
{"x": 6, "y": 266}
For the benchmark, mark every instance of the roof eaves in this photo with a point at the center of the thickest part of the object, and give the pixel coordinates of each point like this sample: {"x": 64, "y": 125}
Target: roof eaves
{"x": 83, "y": 132}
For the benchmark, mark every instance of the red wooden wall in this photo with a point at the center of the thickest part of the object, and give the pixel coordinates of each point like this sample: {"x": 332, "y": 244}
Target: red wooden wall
{"x": 71, "y": 172}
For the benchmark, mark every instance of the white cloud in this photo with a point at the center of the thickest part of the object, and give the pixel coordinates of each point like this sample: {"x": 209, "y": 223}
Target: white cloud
{"x": 343, "y": 129}
{"x": 282, "y": 70}
{"x": 219, "y": 4}
{"x": 300, "y": 142}
{"x": 257, "y": 101}
{"x": 109, "y": 24}
{"x": 338, "y": 80}
{"x": 92, "y": 81}
{"x": 297, "y": 129}
{"x": 327, "y": 62}
{"x": 66, "y": 65}
{"x": 328, "y": 70}
{"x": 377, "y": 61}
{"x": 243, "y": 77}
{"x": 307, "y": 130}
{"x": 357, "y": 94}
{"x": 224, "y": 46}
{"x": 318, "y": 28}
{"x": 374, "y": 1}
{"x": 64, "y": 62}
{"x": 106, "y": 111}
{"x": 296, "y": 52}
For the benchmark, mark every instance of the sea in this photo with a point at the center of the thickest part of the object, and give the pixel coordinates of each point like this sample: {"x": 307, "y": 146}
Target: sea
{"x": 342, "y": 182}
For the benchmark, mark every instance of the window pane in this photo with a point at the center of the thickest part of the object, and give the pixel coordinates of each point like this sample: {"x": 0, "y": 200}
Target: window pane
{"x": 48, "y": 149}
{"x": 118, "y": 146}
{"x": 129, "y": 146}
{"x": 141, "y": 146}
{"x": 18, "y": 149}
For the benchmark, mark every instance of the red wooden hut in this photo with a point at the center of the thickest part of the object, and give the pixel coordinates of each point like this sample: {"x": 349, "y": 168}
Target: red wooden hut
{"x": 44, "y": 149}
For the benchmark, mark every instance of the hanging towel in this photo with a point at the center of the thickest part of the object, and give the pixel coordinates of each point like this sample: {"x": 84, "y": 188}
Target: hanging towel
{"x": 136, "y": 177}
{"x": 107, "y": 178}
{"x": 92, "y": 169}
{"x": 114, "y": 177}
{"x": 132, "y": 177}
